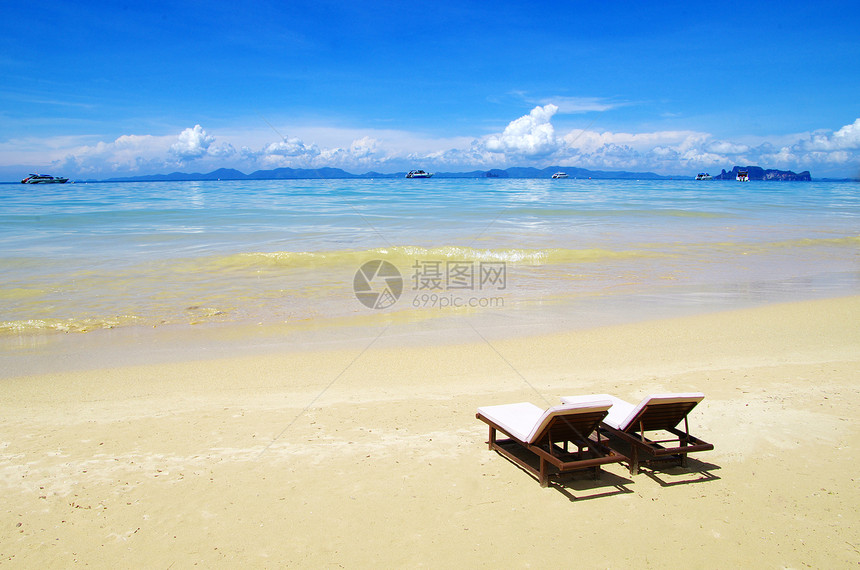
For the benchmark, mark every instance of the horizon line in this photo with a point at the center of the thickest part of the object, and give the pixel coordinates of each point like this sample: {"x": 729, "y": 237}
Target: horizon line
{"x": 476, "y": 173}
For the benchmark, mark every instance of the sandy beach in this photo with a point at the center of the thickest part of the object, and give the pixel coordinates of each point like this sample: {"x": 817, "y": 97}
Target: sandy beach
{"x": 371, "y": 456}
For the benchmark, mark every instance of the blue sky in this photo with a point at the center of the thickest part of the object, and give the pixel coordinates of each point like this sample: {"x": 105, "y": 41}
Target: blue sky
{"x": 95, "y": 90}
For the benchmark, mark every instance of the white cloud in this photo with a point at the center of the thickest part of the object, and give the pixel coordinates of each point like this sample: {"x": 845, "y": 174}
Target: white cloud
{"x": 192, "y": 143}
{"x": 726, "y": 147}
{"x": 364, "y": 147}
{"x": 289, "y": 152}
{"x": 529, "y": 136}
{"x": 846, "y": 138}
{"x": 127, "y": 153}
{"x": 141, "y": 154}
{"x": 592, "y": 141}
{"x": 672, "y": 152}
{"x": 781, "y": 157}
{"x": 222, "y": 150}
{"x": 293, "y": 152}
{"x": 530, "y": 140}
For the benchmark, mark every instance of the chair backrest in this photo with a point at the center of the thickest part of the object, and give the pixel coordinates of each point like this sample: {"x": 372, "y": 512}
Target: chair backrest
{"x": 661, "y": 411}
{"x": 571, "y": 422}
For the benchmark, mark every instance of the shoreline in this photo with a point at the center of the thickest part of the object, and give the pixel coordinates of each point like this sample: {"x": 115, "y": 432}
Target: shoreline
{"x": 34, "y": 353}
{"x": 370, "y": 454}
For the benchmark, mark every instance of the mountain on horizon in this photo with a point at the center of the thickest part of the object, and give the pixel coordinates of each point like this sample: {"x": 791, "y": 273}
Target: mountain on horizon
{"x": 337, "y": 173}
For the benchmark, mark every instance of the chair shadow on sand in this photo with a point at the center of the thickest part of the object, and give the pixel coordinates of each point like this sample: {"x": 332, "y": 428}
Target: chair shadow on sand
{"x": 576, "y": 485}
{"x": 581, "y": 485}
{"x": 655, "y": 435}
{"x": 672, "y": 470}
{"x": 694, "y": 467}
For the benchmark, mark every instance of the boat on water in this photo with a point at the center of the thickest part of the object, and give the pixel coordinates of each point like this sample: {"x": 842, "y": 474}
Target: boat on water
{"x": 560, "y": 175}
{"x": 703, "y": 176}
{"x": 743, "y": 176}
{"x": 44, "y": 179}
{"x": 418, "y": 174}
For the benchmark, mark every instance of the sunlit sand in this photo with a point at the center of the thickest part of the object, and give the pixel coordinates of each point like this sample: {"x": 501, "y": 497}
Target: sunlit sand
{"x": 369, "y": 454}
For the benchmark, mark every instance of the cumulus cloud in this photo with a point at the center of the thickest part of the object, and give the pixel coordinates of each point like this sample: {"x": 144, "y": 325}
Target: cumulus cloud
{"x": 195, "y": 143}
{"x": 365, "y": 147}
{"x": 674, "y": 152}
{"x": 128, "y": 153}
{"x": 222, "y": 150}
{"x": 292, "y": 147}
{"x": 192, "y": 143}
{"x": 136, "y": 154}
{"x": 528, "y": 140}
{"x": 293, "y": 152}
{"x": 530, "y": 136}
{"x": 836, "y": 152}
{"x": 846, "y": 138}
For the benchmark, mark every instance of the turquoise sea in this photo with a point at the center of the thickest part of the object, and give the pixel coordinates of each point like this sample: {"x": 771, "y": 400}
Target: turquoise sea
{"x": 81, "y": 257}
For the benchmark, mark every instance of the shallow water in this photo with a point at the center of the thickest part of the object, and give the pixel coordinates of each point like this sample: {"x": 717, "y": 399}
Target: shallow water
{"x": 80, "y": 257}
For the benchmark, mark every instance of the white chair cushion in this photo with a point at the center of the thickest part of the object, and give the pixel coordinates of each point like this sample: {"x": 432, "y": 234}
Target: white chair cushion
{"x": 622, "y": 413}
{"x": 526, "y": 422}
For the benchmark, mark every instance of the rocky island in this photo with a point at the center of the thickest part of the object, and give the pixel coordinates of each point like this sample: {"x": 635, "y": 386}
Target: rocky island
{"x": 759, "y": 173}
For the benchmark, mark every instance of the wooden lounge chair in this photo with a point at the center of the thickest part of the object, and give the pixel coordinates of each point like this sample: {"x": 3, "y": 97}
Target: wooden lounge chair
{"x": 660, "y": 413}
{"x": 547, "y": 434}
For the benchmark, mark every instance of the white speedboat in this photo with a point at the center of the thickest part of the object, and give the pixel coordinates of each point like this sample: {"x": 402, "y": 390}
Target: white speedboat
{"x": 44, "y": 179}
{"x": 560, "y": 175}
{"x": 418, "y": 174}
{"x": 703, "y": 176}
{"x": 743, "y": 176}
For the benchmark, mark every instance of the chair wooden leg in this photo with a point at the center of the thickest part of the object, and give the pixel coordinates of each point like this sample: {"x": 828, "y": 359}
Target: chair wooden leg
{"x": 543, "y": 474}
{"x": 685, "y": 441}
{"x": 492, "y": 437}
{"x": 634, "y": 461}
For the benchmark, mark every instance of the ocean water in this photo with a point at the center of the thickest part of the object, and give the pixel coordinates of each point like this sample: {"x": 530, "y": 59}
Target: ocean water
{"x": 82, "y": 257}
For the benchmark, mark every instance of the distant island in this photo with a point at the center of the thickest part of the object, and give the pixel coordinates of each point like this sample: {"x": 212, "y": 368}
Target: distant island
{"x": 755, "y": 173}
{"x": 335, "y": 173}
{"x": 759, "y": 173}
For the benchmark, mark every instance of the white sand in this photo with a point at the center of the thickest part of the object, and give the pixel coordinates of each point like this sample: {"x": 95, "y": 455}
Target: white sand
{"x": 375, "y": 458}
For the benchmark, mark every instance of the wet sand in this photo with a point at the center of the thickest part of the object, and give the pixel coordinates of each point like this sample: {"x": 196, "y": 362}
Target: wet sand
{"x": 370, "y": 455}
